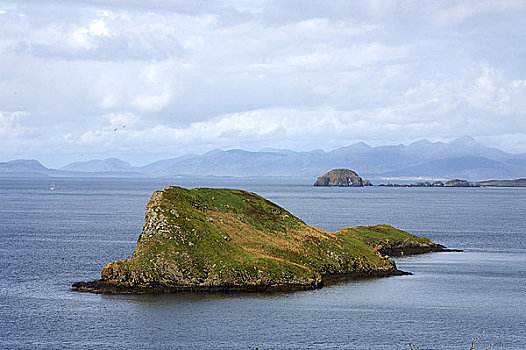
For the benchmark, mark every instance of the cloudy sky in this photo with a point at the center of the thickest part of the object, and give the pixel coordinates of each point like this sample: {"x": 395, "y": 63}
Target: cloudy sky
{"x": 146, "y": 80}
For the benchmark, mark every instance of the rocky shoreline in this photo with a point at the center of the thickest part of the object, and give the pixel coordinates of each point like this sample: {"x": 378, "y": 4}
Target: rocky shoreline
{"x": 111, "y": 287}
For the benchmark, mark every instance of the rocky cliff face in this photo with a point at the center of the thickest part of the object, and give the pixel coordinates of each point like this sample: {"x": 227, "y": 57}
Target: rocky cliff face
{"x": 229, "y": 240}
{"x": 340, "y": 178}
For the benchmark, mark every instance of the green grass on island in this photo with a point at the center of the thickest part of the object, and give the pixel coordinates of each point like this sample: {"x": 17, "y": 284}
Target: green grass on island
{"x": 223, "y": 239}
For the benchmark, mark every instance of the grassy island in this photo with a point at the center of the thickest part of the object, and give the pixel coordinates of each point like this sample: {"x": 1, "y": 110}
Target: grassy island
{"x": 222, "y": 240}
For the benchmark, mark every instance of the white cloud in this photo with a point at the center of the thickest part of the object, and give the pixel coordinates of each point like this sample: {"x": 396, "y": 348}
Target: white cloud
{"x": 491, "y": 91}
{"x": 513, "y": 142}
{"x": 86, "y": 37}
{"x": 464, "y": 11}
{"x": 120, "y": 120}
{"x": 302, "y": 128}
{"x": 9, "y": 124}
{"x": 143, "y": 86}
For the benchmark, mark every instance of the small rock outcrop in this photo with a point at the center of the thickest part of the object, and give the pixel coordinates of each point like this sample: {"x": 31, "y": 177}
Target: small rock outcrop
{"x": 340, "y": 178}
{"x": 460, "y": 183}
{"x": 221, "y": 240}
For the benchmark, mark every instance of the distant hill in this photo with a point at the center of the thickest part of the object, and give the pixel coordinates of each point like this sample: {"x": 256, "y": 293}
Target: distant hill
{"x": 462, "y": 158}
{"x": 33, "y": 168}
{"x": 23, "y": 167}
{"x": 100, "y": 165}
{"x": 470, "y": 167}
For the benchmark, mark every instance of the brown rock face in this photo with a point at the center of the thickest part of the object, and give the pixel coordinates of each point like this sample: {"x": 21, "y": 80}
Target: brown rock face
{"x": 340, "y": 178}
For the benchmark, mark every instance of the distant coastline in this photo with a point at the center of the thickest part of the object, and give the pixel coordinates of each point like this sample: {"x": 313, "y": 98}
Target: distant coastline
{"x": 462, "y": 183}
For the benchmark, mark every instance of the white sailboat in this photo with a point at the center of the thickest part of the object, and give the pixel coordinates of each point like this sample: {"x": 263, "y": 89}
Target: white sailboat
{"x": 52, "y": 187}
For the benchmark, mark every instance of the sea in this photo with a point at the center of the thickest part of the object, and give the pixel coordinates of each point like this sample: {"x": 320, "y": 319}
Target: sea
{"x": 50, "y": 239}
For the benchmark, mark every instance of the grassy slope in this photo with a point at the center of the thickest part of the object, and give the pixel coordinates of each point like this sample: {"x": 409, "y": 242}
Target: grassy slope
{"x": 216, "y": 236}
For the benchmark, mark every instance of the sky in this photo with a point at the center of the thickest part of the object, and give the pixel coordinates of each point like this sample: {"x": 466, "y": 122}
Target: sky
{"x": 147, "y": 80}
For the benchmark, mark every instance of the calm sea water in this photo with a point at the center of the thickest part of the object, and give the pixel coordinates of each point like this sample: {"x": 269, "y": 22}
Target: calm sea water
{"x": 50, "y": 239}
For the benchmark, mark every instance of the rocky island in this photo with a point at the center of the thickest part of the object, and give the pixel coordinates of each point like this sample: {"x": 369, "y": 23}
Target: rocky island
{"x": 222, "y": 240}
{"x": 341, "y": 178}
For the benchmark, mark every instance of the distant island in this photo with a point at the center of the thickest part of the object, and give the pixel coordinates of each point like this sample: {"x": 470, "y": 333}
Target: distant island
{"x": 223, "y": 240}
{"x": 342, "y": 178}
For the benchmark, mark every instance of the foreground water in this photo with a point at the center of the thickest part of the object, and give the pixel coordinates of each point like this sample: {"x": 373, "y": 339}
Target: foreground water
{"x": 53, "y": 238}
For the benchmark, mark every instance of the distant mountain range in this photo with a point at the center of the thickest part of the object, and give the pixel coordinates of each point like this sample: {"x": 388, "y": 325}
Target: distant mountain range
{"x": 462, "y": 158}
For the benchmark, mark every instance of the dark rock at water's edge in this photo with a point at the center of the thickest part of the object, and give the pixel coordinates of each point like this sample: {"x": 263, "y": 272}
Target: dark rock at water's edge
{"x": 109, "y": 287}
{"x": 221, "y": 240}
{"x": 340, "y": 178}
{"x": 406, "y": 250}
